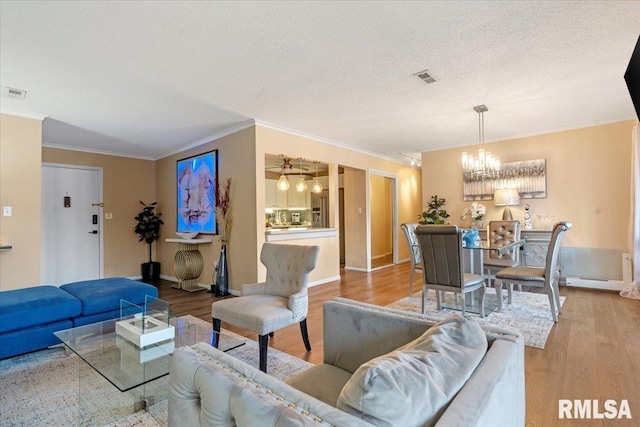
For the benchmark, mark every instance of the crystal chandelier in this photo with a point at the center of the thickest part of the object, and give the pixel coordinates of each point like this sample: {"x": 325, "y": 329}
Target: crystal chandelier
{"x": 486, "y": 165}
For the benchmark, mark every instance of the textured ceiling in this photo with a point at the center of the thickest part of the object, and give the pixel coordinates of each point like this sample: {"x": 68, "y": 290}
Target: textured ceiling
{"x": 150, "y": 78}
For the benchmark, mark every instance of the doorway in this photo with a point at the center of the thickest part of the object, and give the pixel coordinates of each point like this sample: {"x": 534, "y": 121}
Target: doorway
{"x": 72, "y": 241}
{"x": 382, "y": 220}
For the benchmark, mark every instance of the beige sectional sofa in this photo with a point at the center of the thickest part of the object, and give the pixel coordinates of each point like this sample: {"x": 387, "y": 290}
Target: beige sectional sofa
{"x": 382, "y": 367}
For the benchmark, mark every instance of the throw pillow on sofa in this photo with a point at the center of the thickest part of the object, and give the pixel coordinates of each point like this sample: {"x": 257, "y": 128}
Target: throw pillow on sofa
{"x": 413, "y": 385}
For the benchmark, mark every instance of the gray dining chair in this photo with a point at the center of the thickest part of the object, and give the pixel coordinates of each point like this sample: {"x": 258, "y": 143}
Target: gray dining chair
{"x": 443, "y": 267}
{"x": 414, "y": 251}
{"x": 281, "y": 300}
{"x": 501, "y": 234}
{"x": 546, "y": 278}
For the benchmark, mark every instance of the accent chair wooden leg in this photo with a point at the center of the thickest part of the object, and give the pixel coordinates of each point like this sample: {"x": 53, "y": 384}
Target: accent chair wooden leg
{"x": 216, "y": 328}
{"x": 263, "y": 343}
{"x": 305, "y": 334}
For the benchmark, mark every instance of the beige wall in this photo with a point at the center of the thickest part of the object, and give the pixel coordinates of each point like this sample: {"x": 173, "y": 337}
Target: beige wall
{"x": 588, "y": 181}
{"x": 20, "y": 183}
{"x": 126, "y": 181}
{"x": 408, "y": 180}
{"x": 236, "y": 160}
{"x": 355, "y": 215}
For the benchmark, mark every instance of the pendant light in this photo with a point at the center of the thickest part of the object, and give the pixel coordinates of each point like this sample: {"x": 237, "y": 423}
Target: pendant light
{"x": 486, "y": 165}
{"x": 301, "y": 185}
{"x": 283, "y": 182}
{"x": 317, "y": 186}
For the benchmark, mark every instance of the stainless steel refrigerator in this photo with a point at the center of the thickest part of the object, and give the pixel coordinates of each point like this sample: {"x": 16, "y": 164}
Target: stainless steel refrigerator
{"x": 320, "y": 209}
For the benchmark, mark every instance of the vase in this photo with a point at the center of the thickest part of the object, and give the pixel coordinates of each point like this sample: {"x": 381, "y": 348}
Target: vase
{"x": 478, "y": 223}
{"x": 222, "y": 277}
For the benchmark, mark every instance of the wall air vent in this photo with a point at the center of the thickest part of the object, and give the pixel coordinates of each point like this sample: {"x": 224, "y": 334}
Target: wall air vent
{"x": 11, "y": 92}
{"x": 425, "y": 76}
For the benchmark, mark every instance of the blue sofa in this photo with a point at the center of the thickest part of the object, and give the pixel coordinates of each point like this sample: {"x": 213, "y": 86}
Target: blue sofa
{"x": 30, "y": 316}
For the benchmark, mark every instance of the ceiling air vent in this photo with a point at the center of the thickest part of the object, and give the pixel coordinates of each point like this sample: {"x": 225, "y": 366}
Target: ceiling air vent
{"x": 425, "y": 76}
{"x": 11, "y": 92}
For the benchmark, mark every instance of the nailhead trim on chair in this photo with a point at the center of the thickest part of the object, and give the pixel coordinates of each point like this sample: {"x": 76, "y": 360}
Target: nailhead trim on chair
{"x": 303, "y": 412}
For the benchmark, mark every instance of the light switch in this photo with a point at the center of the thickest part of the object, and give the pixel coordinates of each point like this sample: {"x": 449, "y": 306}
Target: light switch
{"x": 108, "y": 215}
{"x": 6, "y": 211}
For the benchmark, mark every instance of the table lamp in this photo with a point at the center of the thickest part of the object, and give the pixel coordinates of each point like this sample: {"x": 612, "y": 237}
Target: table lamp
{"x": 506, "y": 197}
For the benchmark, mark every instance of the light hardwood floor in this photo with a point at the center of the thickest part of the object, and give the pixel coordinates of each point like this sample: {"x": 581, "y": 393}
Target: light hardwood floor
{"x": 593, "y": 352}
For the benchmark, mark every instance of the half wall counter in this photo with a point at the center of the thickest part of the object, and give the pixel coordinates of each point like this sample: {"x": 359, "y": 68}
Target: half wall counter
{"x": 328, "y": 265}
{"x": 296, "y": 233}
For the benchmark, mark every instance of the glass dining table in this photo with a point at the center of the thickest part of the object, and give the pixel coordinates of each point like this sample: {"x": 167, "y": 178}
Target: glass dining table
{"x": 474, "y": 255}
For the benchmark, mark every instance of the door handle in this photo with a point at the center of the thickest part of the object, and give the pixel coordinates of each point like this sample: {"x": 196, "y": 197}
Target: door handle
{"x": 93, "y": 232}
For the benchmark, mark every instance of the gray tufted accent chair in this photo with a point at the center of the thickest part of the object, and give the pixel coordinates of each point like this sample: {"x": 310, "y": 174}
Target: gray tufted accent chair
{"x": 546, "y": 278}
{"x": 281, "y": 300}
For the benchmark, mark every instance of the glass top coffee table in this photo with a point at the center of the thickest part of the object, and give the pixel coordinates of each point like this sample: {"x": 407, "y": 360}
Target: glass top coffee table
{"x": 136, "y": 378}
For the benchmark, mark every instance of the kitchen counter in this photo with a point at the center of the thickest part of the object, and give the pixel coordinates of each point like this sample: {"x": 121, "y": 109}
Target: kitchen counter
{"x": 273, "y": 234}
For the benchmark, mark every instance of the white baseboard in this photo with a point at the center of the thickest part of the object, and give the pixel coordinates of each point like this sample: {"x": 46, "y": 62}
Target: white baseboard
{"x": 174, "y": 279}
{"x": 607, "y": 285}
{"x": 237, "y": 293}
{"x": 323, "y": 281}
{"x": 356, "y": 269}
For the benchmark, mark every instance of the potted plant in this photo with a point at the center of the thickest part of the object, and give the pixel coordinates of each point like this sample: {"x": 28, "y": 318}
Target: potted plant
{"x": 434, "y": 214}
{"x": 148, "y": 228}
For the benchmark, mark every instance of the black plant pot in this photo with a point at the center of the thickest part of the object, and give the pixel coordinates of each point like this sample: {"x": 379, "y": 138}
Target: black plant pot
{"x": 150, "y": 271}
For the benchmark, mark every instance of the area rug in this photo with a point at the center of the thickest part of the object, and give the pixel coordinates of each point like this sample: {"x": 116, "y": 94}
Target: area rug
{"x": 529, "y": 313}
{"x": 41, "y": 388}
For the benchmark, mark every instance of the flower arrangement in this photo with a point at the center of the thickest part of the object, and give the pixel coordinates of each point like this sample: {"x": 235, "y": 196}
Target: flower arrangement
{"x": 224, "y": 219}
{"x": 476, "y": 212}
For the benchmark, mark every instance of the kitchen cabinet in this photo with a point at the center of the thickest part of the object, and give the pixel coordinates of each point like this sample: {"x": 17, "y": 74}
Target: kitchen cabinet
{"x": 275, "y": 198}
{"x": 298, "y": 199}
{"x": 270, "y": 193}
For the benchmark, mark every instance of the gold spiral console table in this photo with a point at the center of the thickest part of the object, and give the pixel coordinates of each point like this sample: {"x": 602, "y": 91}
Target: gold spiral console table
{"x": 188, "y": 263}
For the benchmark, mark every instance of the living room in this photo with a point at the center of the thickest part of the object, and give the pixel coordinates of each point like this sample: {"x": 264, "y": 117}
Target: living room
{"x": 588, "y": 182}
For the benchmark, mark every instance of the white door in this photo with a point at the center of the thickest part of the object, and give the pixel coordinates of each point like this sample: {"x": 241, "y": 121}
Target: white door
{"x": 71, "y": 224}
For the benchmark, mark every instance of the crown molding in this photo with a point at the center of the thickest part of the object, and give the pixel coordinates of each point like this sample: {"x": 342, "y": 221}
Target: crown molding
{"x": 24, "y": 114}
{"x": 325, "y": 141}
{"x": 92, "y": 151}
{"x": 225, "y": 132}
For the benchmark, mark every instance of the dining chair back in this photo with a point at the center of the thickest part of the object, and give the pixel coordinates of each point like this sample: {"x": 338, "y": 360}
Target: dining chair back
{"x": 442, "y": 264}
{"x": 414, "y": 251}
{"x": 547, "y": 278}
{"x": 501, "y": 233}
